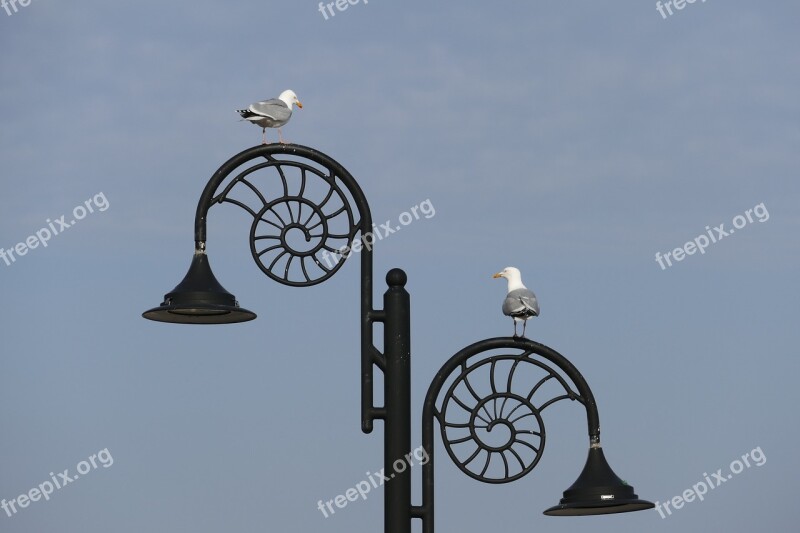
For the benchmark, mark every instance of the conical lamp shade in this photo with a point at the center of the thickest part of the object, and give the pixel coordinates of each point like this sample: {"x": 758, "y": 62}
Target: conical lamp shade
{"x": 199, "y": 299}
{"x": 598, "y": 490}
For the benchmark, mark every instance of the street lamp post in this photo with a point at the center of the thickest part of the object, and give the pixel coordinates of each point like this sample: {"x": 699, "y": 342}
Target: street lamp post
{"x": 307, "y": 209}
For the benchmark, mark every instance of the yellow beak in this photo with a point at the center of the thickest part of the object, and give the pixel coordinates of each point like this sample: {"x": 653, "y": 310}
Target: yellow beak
{"x": 498, "y": 275}
{"x": 299, "y": 105}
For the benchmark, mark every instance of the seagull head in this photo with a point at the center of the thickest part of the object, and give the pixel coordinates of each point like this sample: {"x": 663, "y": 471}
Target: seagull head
{"x": 513, "y": 276}
{"x": 289, "y": 98}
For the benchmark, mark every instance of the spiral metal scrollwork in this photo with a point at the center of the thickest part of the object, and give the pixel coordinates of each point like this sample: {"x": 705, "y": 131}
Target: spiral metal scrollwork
{"x": 301, "y": 232}
{"x": 490, "y": 418}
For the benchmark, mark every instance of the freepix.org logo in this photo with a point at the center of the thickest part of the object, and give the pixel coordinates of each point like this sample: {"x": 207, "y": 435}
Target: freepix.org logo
{"x": 704, "y": 240}
{"x": 380, "y": 232}
{"x": 12, "y": 6}
{"x": 340, "y": 5}
{"x": 47, "y": 488}
{"x": 53, "y": 228}
{"x": 701, "y": 488}
{"x": 378, "y": 479}
{"x": 666, "y": 8}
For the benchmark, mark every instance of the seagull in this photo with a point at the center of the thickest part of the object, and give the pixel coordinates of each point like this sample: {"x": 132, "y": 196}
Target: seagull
{"x": 272, "y": 113}
{"x": 520, "y": 303}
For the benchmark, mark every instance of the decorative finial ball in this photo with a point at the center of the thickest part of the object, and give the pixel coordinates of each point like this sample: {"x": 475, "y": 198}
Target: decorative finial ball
{"x": 396, "y": 278}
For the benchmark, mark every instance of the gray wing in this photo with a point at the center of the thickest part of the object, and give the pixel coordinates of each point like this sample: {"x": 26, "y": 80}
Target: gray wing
{"x": 521, "y": 303}
{"x": 275, "y": 109}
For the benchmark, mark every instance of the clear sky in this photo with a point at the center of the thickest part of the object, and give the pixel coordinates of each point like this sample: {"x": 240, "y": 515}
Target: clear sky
{"x": 573, "y": 140}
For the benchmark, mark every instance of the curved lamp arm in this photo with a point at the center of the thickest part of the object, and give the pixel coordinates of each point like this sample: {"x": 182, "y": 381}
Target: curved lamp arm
{"x": 499, "y": 403}
{"x": 296, "y": 169}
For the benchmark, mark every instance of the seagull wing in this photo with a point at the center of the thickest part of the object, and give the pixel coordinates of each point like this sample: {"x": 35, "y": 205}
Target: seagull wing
{"x": 274, "y": 109}
{"x": 521, "y": 303}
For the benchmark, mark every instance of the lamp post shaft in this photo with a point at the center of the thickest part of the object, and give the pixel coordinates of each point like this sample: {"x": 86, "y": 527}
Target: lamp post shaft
{"x": 397, "y": 399}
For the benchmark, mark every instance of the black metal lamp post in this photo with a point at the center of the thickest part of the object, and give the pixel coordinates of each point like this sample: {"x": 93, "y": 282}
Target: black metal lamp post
{"x": 306, "y": 216}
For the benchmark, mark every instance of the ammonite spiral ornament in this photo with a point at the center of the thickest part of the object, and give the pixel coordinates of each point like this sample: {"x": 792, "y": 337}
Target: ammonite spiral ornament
{"x": 491, "y": 423}
{"x": 302, "y": 232}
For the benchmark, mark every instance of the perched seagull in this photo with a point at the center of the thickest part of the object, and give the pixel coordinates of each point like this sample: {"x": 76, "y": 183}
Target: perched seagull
{"x": 272, "y": 113}
{"x": 520, "y": 303}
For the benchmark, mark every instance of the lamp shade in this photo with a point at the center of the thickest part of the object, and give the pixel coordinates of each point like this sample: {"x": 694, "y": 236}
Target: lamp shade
{"x": 199, "y": 299}
{"x": 598, "y": 490}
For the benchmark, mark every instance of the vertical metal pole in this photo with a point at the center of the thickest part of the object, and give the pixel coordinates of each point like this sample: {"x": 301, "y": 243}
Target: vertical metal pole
{"x": 397, "y": 399}
{"x": 425, "y": 512}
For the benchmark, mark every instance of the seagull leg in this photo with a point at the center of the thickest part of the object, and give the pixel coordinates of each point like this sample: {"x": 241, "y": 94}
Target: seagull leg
{"x": 515, "y": 328}
{"x": 280, "y": 136}
{"x": 263, "y": 135}
{"x": 524, "y": 325}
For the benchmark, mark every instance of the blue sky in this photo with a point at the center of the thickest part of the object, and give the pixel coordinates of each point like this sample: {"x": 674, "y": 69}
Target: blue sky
{"x": 572, "y": 140}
